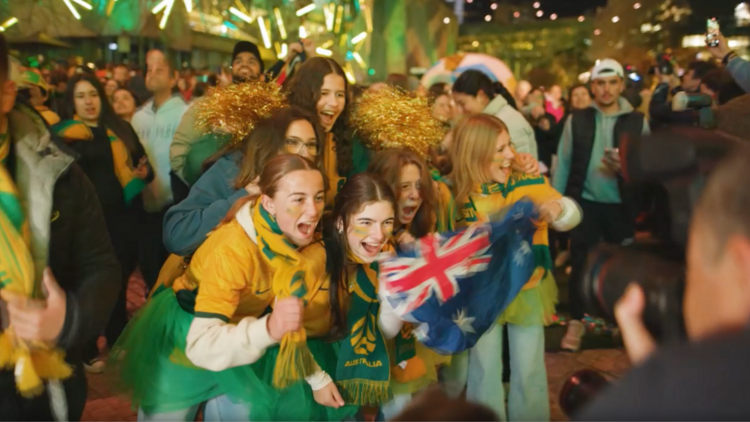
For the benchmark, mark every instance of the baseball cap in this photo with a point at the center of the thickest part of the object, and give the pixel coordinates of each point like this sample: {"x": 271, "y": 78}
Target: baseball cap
{"x": 31, "y": 78}
{"x": 606, "y": 68}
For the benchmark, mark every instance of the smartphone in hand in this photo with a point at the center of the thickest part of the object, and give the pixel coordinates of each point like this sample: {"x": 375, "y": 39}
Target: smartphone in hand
{"x": 712, "y": 32}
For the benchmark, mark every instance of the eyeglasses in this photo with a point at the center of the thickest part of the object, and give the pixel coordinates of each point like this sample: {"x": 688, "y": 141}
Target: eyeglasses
{"x": 295, "y": 146}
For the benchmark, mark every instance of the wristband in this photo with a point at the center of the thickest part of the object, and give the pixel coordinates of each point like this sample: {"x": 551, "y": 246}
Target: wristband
{"x": 728, "y": 57}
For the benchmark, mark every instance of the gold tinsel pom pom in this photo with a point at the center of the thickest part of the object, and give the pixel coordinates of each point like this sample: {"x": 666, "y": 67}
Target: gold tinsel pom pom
{"x": 391, "y": 118}
{"x": 235, "y": 109}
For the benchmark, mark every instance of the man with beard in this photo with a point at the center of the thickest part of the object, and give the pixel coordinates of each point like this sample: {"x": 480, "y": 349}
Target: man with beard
{"x": 589, "y": 171}
{"x": 247, "y": 66}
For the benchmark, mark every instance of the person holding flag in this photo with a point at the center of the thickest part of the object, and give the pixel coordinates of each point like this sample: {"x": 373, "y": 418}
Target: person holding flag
{"x": 485, "y": 184}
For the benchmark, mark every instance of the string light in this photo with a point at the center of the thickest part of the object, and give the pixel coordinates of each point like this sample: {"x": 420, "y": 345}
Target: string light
{"x": 475, "y": 44}
{"x": 359, "y": 60}
{"x": 305, "y": 10}
{"x": 493, "y": 6}
{"x": 83, "y": 4}
{"x": 537, "y": 5}
{"x": 516, "y": 14}
{"x": 357, "y": 38}
{"x": 447, "y": 21}
{"x": 284, "y": 51}
{"x": 487, "y": 18}
{"x": 327, "y": 44}
{"x": 72, "y": 9}
{"x": 339, "y": 18}
{"x": 264, "y": 32}
{"x": 188, "y": 5}
{"x": 165, "y": 16}
{"x": 597, "y": 32}
{"x": 324, "y": 52}
{"x": 302, "y": 32}
{"x": 581, "y": 18}
{"x": 615, "y": 19}
{"x": 10, "y": 22}
{"x": 240, "y": 15}
{"x": 280, "y": 22}
{"x": 553, "y": 16}
{"x": 368, "y": 18}
{"x": 637, "y": 6}
{"x": 539, "y": 13}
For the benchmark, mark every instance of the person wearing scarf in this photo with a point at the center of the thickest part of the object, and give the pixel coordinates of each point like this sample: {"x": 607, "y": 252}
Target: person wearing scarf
{"x": 33, "y": 362}
{"x": 485, "y": 184}
{"x": 114, "y": 160}
{"x": 76, "y": 130}
{"x": 221, "y": 342}
{"x": 356, "y": 232}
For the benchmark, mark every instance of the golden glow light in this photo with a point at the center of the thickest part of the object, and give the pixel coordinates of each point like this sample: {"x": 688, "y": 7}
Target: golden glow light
{"x": 72, "y": 9}
{"x": 302, "y": 32}
{"x": 359, "y": 60}
{"x": 368, "y": 18}
{"x": 83, "y": 4}
{"x": 328, "y": 18}
{"x": 339, "y": 18}
{"x": 240, "y": 15}
{"x": 305, "y": 10}
{"x": 280, "y": 22}
{"x": 158, "y": 8}
{"x": 284, "y": 51}
{"x": 359, "y": 37}
{"x": 342, "y": 42}
{"x": 10, "y": 22}
{"x": 349, "y": 73}
{"x": 264, "y": 32}
{"x": 327, "y": 44}
{"x": 323, "y": 52}
{"x": 189, "y": 5}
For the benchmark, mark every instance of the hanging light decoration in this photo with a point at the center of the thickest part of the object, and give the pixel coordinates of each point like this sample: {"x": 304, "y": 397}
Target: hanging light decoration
{"x": 72, "y": 8}
{"x": 7, "y": 24}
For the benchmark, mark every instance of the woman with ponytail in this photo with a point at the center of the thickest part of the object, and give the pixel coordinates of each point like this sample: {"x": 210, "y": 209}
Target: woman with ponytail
{"x": 475, "y": 93}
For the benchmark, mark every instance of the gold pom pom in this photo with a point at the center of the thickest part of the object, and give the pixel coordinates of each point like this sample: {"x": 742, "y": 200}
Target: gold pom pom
{"x": 391, "y": 118}
{"x": 234, "y": 110}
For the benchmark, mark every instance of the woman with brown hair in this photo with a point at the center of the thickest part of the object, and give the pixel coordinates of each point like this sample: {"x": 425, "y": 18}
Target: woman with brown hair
{"x": 232, "y": 174}
{"x": 320, "y": 86}
{"x": 210, "y": 338}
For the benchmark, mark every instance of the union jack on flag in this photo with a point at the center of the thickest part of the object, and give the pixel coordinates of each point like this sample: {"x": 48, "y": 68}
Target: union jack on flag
{"x": 438, "y": 264}
{"x": 454, "y": 286}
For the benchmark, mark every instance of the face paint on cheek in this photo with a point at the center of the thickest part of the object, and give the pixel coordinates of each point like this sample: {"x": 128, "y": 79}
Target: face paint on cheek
{"x": 389, "y": 232}
{"x": 360, "y": 231}
{"x": 294, "y": 210}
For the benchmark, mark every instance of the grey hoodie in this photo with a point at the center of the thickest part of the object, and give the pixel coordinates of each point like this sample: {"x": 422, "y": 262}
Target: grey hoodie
{"x": 601, "y": 183}
{"x": 521, "y": 132}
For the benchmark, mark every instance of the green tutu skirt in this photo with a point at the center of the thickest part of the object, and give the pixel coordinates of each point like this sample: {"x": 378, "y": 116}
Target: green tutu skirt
{"x": 534, "y": 306}
{"x": 149, "y": 365}
{"x": 297, "y": 403}
{"x": 431, "y": 362}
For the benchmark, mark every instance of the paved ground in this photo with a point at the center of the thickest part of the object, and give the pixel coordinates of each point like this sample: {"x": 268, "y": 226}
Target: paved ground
{"x": 104, "y": 406}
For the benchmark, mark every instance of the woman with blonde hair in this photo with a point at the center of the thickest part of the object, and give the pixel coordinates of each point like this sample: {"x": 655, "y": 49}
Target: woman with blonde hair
{"x": 485, "y": 184}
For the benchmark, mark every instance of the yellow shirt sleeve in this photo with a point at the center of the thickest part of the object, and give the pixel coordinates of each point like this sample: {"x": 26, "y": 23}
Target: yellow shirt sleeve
{"x": 225, "y": 269}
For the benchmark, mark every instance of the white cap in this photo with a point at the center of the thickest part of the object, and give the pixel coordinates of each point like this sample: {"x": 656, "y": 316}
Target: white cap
{"x": 606, "y": 68}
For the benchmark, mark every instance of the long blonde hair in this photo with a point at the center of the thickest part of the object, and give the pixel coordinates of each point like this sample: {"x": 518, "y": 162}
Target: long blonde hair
{"x": 472, "y": 152}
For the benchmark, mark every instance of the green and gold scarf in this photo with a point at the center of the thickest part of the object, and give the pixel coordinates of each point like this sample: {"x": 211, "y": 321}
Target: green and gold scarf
{"x": 295, "y": 361}
{"x": 363, "y": 371}
{"x": 32, "y": 361}
{"x": 75, "y": 130}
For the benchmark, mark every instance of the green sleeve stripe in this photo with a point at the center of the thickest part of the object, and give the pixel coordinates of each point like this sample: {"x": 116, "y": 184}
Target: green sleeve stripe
{"x": 132, "y": 189}
{"x": 211, "y": 315}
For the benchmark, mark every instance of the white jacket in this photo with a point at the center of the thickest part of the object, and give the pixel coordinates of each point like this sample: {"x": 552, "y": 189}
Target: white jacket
{"x": 156, "y": 128}
{"x": 521, "y": 132}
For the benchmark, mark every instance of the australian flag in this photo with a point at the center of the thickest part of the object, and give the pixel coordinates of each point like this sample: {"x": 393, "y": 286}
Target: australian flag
{"x": 454, "y": 286}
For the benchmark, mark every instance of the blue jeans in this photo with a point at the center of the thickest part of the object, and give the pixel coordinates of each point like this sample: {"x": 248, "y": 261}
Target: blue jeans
{"x": 480, "y": 370}
{"x": 217, "y": 409}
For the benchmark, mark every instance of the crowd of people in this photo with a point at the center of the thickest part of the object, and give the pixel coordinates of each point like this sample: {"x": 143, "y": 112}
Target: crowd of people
{"x": 258, "y": 236}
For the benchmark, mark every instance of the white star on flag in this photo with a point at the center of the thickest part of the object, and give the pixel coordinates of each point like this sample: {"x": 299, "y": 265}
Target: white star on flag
{"x": 464, "y": 322}
{"x": 524, "y": 250}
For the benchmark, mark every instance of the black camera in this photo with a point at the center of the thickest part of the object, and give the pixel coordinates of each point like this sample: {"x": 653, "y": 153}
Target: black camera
{"x": 679, "y": 159}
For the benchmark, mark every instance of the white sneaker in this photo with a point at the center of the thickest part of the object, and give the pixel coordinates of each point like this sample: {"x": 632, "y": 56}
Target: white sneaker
{"x": 572, "y": 339}
{"x": 94, "y": 366}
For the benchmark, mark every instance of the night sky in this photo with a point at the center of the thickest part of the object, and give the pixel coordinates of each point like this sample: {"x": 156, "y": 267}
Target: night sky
{"x": 477, "y": 9}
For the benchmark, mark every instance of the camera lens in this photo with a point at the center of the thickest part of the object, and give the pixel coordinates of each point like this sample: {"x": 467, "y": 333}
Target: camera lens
{"x": 609, "y": 271}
